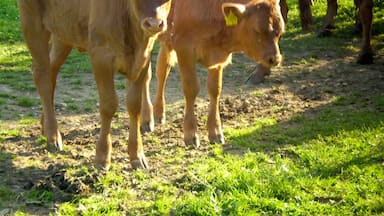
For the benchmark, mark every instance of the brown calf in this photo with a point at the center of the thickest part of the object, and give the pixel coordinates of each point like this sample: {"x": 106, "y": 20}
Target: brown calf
{"x": 207, "y": 32}
{"x": 118, "y": 35}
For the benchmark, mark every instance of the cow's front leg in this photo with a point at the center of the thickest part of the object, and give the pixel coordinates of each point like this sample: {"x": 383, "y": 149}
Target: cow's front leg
{"x": 147, "y": 121}
{"x": 214, "y": 86}
{"x": 103, "y": 71}
{"x": 191, "y": 87}
{"x": 133, "y": 99}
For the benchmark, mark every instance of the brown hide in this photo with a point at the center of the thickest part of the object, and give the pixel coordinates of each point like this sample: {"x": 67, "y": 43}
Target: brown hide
{"x": 198, "y": 33}
{"x": 118, "y": 35}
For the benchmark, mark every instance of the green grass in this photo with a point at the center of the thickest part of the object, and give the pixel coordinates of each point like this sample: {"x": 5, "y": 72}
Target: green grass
{"x": 9, "y": 22}
{"x": 325, "y": 161}
{"x": 27, "y": 101}
{"x": 330, "y": 163}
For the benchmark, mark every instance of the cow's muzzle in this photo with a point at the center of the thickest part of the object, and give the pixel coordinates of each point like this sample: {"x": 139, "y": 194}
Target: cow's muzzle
{"x": 273, "y": 60}
{"x": 153, "y": 25}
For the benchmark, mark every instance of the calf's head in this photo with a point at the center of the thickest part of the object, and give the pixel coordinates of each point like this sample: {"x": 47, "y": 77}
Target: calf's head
{"x": 258, "y": 26}
{"x": 152, "y": 14}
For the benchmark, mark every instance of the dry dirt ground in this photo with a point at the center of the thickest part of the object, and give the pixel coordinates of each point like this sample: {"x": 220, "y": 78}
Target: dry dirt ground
{"x": 293, "y": 88}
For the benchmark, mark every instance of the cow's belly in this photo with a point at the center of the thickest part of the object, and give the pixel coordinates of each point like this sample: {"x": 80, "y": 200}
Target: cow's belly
{"x": 210, "y": 57}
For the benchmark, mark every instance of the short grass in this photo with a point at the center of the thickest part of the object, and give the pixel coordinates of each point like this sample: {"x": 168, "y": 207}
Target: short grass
{"x": 326, "y": 162}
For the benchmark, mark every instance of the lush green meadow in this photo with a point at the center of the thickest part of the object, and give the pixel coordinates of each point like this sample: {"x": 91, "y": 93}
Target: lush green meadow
{"x": 310, "y": 140}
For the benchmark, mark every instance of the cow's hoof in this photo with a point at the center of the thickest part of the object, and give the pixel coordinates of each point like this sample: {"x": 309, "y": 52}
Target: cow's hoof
{"x": 307, "y": 28}
{"x": 324, "y": 33}
{"x": 255, "y": 79}
{"x": 366, "y": 58}
{"x": 56, "y": 144}
{"x": 102, "y": 168}
{"x": 195, "y": 142}
{"x": 160, "y": 121}
{"x": 140, "y": 163}
{"x": 147, "y": 127}
{"x": 219, "y": 139}
{"x": 102, "y": 165}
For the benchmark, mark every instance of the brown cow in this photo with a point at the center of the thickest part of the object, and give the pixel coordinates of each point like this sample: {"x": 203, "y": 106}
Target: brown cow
{"x": 363, "y": 23}
{"x": 118, "y": 35}
{"x": 208, "y": 32}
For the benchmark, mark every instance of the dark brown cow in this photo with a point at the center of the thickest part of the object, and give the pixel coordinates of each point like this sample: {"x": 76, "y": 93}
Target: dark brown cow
{"x": 363, "y": 23}
{"x": 207, "y": 32}
{"x": 118, "y": 35}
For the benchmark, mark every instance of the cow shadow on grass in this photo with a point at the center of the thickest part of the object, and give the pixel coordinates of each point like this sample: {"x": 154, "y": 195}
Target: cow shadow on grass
{"x": 345, "y": 97}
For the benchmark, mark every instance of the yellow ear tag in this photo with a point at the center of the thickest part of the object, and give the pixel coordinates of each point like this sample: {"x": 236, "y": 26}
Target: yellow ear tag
{"x": 230, "y": 19}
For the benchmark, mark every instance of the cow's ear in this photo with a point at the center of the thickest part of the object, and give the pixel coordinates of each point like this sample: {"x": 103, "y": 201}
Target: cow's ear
{"x": 232, "y": 13}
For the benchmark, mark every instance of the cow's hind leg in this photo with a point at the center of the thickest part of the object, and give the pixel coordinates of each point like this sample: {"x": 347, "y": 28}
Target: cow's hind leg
{"x": 133, "y": 100}
{"x": 214, "y": 86}
{"x": 44, "y": 72}
{"x": 365, "y": 16}
{"x": 147, "y": 120}
{"x": 163, "y": 68}
{"x": 191, "y": 87}
{"x": 104, "y": 72}
{"x": 306, "y": 15}
{"x": 329, "y": 19}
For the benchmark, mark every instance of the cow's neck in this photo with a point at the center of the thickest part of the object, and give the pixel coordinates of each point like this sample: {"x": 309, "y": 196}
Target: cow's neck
{"x": 139, "y": 45}
{"x": 227, "y": 40}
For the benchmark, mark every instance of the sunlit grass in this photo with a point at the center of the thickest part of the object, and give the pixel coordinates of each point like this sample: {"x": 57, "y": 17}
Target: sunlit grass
{"x": 332, "y": 174}
{"x": 14, "y": 57}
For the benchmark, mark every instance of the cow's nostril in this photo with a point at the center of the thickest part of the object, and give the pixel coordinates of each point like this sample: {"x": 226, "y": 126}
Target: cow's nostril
{"x": 161, "y": 24}
{"x": 272, "y": 61}
{"x": 153, "y": 25}
{"x": 146, "y": 24}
